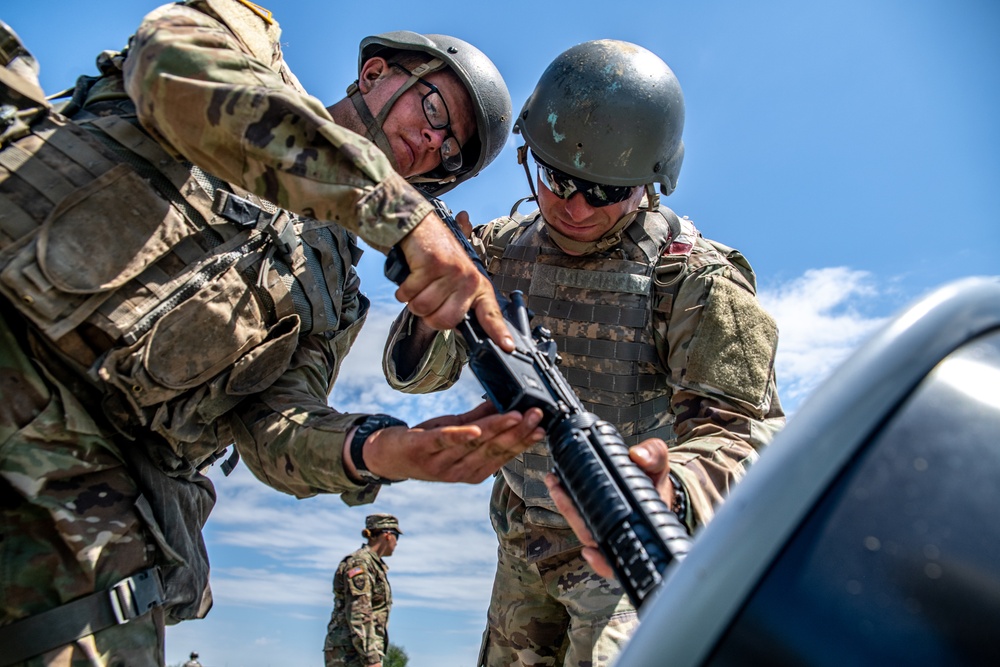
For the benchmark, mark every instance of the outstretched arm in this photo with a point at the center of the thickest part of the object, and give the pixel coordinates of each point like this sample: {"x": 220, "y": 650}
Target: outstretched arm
{"x": 230, "y": 105}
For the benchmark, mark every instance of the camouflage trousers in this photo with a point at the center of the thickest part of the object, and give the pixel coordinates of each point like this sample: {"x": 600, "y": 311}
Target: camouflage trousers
{"x": 343, "y": 657}
{"x": 68, "y": 526}
{"x": 554, "y": 613}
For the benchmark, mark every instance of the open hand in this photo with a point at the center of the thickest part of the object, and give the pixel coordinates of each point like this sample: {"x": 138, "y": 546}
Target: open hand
{"x": 454, "y": 448}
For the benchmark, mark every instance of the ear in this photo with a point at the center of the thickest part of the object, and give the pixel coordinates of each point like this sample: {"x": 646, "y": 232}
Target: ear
{"x": 374, "y": 69}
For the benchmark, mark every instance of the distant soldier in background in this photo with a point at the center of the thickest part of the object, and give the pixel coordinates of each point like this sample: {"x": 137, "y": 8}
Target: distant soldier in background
{"x": 358, "y": 635}
{"x": 193, "y": 662}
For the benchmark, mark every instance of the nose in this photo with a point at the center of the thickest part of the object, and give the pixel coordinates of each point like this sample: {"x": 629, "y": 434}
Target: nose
{"x": 435, "y": 138}
{"x": 577, "y": 208}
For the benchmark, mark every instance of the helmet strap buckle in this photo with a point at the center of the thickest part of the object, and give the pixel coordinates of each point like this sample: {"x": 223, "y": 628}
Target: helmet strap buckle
{"x": 652, "y": 198}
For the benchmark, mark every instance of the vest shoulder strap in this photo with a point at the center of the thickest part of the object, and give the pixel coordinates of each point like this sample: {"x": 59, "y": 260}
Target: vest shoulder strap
{"x": 673, "y": 261}
{"x": 497, "y": 234}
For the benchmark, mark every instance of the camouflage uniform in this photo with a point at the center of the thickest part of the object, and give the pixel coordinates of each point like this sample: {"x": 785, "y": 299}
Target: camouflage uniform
{"x": 660, "y": 335}
{"x": 105, "y": 429}
{"x": 358, "y": 632}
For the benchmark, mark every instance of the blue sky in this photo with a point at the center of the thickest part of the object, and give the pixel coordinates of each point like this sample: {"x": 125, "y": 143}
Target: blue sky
{"x": 850, "y": 149}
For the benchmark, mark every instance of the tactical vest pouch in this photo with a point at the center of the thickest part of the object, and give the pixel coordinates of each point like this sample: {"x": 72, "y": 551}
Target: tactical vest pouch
{"x": 62, "y": 274}
{"x": 213, "y": 328}
{"x": 195, "y": 341}
{"x": 100, "y": 247}
{"x": 82, "y": 250}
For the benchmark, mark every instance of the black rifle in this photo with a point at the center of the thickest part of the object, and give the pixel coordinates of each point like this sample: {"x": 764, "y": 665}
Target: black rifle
{"x": 634, "y": 528}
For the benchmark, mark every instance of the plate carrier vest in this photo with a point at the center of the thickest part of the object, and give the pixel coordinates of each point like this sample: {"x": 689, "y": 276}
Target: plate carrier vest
{"x": 157, "y": 282}
{"x": 600, "y": 309}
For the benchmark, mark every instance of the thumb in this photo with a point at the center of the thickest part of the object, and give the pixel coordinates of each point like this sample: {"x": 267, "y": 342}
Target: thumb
{"x": 464, "y": 223}
{"x": 651, "y": 455}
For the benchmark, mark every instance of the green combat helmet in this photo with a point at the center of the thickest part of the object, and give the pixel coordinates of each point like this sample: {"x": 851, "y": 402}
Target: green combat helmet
{"x": 609, "y": 112}
{"x": 481, "y": 78}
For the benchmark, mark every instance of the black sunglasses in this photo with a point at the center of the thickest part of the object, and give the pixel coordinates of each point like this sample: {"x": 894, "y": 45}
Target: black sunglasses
{"x": 564, "y": 186}
{"x": 436, "y": 113}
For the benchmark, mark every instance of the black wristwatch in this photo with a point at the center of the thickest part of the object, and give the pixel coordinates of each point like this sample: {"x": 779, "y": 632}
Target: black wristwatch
{"x": 365, "y": 429}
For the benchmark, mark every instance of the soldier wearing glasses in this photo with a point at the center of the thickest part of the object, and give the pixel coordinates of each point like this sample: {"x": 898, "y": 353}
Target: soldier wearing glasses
{"x": 658, "y": 328}
{"x": 357, "y": 635}
{"x": 178, "y": 252}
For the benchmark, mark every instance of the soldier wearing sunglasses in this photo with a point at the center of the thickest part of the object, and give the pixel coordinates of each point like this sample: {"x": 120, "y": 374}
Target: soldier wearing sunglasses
{"x": 659, "y": 331}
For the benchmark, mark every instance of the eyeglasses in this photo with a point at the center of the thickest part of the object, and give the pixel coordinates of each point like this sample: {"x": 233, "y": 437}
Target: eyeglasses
{"x": 394, "y": 533}
{"x": 564, "y": 186}
{"x": 436, "y": 113}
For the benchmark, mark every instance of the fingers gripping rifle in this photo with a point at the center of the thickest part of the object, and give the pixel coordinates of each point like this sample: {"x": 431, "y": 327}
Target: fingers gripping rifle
{"x": 634, "y": 528}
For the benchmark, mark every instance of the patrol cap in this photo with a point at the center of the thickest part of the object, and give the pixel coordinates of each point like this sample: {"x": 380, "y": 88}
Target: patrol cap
{"x": 375, "y": 522}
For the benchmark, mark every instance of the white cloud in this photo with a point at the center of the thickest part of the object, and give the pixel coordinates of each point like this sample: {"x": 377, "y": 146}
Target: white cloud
{"x": 265, "y": 587}
{"x": 821, "y": 320}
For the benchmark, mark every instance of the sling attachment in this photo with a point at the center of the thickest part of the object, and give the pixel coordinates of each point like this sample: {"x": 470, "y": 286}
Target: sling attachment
{"x": 281, "y": 232}
{"x": 127, "y": 600}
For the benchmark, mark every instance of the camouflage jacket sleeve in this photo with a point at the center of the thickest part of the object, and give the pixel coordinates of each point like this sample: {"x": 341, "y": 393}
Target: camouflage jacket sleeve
{"x": 440, "y": 363}
{"x": 210, "y": 84}
{"x": 718, "y": 345}
{"x": 359, "y": 583}
{"x": 290, "y": 438}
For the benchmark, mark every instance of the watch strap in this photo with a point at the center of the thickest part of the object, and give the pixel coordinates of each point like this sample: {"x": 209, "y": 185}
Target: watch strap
{"x": 371, "y": 424}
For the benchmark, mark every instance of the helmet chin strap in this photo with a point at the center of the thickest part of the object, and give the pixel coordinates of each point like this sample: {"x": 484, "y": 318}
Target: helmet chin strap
{"x": 606, "y": 242}
{"x": 373, "y": 125}
{"x": 522, "y": 159}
